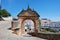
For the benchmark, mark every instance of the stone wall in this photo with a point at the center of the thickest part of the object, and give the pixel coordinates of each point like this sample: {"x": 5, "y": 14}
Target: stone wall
{"x": 46, "y": 36}
{"x": 14, "y": 24}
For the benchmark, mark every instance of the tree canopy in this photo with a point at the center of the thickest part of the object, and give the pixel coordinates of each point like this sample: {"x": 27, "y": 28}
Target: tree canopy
{"x": 4, "y": 13}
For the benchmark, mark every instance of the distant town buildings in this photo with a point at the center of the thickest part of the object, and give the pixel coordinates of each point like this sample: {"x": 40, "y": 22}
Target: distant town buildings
{"x": 47, "y": 23}
{"x": 55, "y": 26}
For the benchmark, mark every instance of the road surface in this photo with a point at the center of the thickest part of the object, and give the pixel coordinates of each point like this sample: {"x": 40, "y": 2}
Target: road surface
{"x": 6, "y": 34}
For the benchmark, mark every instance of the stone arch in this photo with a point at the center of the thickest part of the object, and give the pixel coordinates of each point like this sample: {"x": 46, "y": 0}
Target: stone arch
{"x": 28, "y": 14}
{"x": 31, "y": 20}
{"x": 23, "y": 28}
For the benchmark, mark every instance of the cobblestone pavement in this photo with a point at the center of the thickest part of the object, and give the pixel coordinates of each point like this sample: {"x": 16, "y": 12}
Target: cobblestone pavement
{"x": 6, "y": 34}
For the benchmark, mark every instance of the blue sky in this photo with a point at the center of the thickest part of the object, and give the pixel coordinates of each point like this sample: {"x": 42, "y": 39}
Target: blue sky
{"x": 46, "y": 8}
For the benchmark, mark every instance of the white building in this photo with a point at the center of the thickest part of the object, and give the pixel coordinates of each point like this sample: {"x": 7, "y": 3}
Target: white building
{"x": 45, "y": 23}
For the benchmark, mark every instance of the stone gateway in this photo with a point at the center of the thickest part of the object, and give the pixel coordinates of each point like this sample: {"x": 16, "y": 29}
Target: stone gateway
{"x": 28, "y": 14}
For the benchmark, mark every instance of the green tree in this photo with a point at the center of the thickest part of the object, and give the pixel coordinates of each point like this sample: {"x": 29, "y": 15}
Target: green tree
{"x": 4, "y": 13}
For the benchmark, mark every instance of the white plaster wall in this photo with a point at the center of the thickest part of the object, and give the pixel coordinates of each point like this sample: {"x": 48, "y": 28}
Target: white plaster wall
{"x": 8, "y": 18}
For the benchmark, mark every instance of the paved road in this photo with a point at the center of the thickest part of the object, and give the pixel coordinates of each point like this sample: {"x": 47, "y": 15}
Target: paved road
{"x": 6, "y": 34}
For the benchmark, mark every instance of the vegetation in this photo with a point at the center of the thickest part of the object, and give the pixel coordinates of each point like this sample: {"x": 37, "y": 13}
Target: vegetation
{"x": 53, "y": 30}
{"x": 4, "y": 13}
{"x": 49, "y": 30}
{"x": 43, "y": 30}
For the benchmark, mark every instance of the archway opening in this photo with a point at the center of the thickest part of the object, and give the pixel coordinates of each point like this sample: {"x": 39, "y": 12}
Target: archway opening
{"x": 29, "y": 26}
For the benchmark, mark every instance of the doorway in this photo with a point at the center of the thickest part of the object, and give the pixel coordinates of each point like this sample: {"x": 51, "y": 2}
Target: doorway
{"x": 29, "y": 26}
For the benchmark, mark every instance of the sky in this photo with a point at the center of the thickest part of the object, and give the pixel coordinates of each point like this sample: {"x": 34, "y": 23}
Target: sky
{"x": 49, "y": 9}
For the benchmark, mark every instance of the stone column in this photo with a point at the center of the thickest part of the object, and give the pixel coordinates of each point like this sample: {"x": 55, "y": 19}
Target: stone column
{"x": 37, "y": 25}
{"x": 20, "y": 24}
{"x": 22, "y": 29}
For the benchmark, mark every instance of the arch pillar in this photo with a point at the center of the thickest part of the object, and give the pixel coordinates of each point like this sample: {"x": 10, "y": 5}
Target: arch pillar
{"x": 22, "y": 28}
